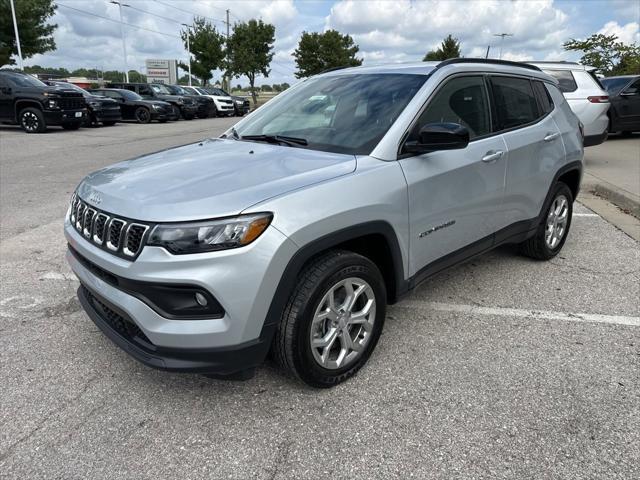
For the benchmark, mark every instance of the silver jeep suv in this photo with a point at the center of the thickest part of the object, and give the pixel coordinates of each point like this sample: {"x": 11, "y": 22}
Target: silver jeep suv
{"x": 292, "y": 231}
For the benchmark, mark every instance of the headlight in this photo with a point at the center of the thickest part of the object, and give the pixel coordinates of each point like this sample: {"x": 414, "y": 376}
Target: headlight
{"x": 208, "y": 236}
{"x": 94, "y": 104}
{"x": 180, "y": 101}
{"x": 155, "y": 107}
{"x": 239, "y": 102}
{"x": 52, "y": 104}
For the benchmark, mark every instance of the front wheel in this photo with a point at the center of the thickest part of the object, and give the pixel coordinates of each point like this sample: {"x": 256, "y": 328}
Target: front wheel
{"x": 333, "y": 319}
{"x": 554, "y": 227}
{"x": 32, "y": 120}
{"x": 143, "y": 115}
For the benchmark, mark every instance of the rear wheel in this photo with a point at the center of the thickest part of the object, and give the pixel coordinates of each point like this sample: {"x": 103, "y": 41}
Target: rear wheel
{"x": 553, "y": 229}
{"x": 333, "y": 319}
{"x": 32, "y": 121}
{"x": 143, "y": 115}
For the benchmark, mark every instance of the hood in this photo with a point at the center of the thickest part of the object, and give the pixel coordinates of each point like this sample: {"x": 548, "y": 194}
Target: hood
{"x": 213, "y": 178}
{"x": 171, "y": 98}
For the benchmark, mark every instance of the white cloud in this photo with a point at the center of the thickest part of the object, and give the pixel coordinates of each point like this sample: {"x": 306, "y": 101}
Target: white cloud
{"x": 627, "y": 34}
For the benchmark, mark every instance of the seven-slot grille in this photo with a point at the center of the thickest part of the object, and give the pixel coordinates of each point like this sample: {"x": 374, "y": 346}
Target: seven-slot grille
{"x": 117, "y": 235}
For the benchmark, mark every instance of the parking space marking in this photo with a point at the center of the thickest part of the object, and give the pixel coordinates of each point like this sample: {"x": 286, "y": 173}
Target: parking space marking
{"x": 520, "y": 313}
{"x": 586, "y": 215}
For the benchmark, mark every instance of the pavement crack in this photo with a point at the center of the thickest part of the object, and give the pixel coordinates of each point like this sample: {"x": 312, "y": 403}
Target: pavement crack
{"x": 12, "y": 448}
{"x": 281, "y": 458}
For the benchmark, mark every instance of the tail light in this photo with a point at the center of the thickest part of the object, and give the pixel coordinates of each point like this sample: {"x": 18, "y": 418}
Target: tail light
{"x": 599, "y": 99}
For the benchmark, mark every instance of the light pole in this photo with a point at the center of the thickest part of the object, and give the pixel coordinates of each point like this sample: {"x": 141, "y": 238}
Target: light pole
{"x": 502, "y": 35}
{"x": 188, "y": 49}
{"x": 15, "y": 29}
{"x": 124, "y": 46}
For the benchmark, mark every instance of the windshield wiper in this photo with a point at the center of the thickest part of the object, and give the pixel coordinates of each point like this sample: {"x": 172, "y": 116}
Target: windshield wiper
{"x": 276, "y": 139}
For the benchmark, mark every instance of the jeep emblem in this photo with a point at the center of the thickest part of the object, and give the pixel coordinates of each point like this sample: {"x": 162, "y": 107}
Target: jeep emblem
{"x": 95, "y": 198}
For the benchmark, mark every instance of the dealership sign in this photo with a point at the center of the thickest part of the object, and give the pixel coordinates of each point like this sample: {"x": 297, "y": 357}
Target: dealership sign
{"x": 162, "y": 71}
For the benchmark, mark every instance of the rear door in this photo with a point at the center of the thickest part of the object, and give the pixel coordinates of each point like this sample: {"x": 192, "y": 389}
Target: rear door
{"x": 535, "y": 150}
{"x": 454, "y": 195}
{"x": 628, "y": 106}
{"x": 6, "y": 100}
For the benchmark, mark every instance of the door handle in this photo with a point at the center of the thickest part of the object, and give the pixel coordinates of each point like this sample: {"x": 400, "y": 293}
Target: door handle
{"x": 492, "y": 156}
{"x": 551, "y": 136}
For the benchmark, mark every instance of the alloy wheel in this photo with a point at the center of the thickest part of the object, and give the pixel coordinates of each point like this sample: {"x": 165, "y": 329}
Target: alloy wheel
{"x": 343, "y": 323}
{"x": 557, "y": 218}
{"x": 30, "y": 121}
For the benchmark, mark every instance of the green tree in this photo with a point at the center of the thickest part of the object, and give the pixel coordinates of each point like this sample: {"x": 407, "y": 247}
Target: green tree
{"x": 59, "y": 72}
{"x": 449, "y": 48}
{"x": 607, "y": 54}
{"x": 318, "y": 52}
{"x": 184, "y": 80}
{"x": 250, "y": 51}
{"x": 207, "y": 50}
{"x": 36, "y": 35}
{"x": 137, "y": 77}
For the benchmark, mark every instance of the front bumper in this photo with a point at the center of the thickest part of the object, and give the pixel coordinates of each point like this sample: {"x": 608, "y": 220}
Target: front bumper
{"x": 108, "y": 115}
{"x": 120, "y": 329}
{"x": 189, "y": 110}
{"x": 243, "y": 280}
{"x": 59, "y": 117}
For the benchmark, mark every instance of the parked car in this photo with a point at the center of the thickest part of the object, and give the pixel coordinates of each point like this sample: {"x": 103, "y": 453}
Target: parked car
{"x": 206, "y": 107}
{"x": 241, "y": 105}
{"x": 183, "y": 106}
{"x": 624, "y": 95}
{"x": 223, "y": 103}
{"x": 134, "y": 107}
{"x": 33, "y": 105}
{"x": 295, "y": 229}
{"x": 100, "y": 109}
{"x": 586, "y": 96}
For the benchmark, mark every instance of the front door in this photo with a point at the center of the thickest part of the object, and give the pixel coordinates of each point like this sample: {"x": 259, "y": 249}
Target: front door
{"x": 455, "y": 196}
{"x": 628, "y": 106}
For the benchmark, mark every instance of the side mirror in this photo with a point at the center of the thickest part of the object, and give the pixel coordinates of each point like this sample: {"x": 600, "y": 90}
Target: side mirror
{"x": 629, "y": 92}
{"x": 439, "y": 136}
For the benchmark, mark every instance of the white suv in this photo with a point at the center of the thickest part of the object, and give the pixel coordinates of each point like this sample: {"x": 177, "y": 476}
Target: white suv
{"x": 224, "y": 104}
{"x": 585, "y": 94}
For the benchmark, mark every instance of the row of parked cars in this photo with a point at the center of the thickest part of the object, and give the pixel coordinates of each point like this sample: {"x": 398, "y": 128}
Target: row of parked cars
{"x": 603, "y": 105}
{"x": 35, "y": 105}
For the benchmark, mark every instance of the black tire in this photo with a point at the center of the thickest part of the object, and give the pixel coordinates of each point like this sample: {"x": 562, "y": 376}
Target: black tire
{"x": 176, "y": 112}
{"x": 215, "y": 112}
{"x": 91, "y": 121}
{"x": 537, "y": 246}
{"x": 72, "y": 126}
{"x": 143, "y": 115}
{"x": 31, "y": 120}
{"x": 292, "y": 343}
{"x": 203, "y": 115}
{"x": 109, "y": 123}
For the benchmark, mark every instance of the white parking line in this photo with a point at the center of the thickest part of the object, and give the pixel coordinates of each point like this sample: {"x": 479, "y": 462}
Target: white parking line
{"x": 586, "y": 215}
{"x": 516, "y": 312}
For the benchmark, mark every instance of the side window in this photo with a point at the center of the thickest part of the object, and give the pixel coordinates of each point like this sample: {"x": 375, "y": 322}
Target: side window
{"x": 461, "y": 100}
{"x": 515, "y": 102}
{"x": 145, "y": 90}
{"x": 633, "y": 89}
{"x": 544, "y": 99}
{"x": 565, "y": 79}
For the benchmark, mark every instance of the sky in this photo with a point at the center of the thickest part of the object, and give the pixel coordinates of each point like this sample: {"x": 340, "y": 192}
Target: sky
{"x": 387, "y": 31}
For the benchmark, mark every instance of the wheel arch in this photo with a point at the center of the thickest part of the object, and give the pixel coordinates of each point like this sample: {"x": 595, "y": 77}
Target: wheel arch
{"x": 25, "y": 103}
{"x": 375, "y": 240}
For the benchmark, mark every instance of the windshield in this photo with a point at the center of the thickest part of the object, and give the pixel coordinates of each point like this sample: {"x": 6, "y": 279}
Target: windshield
{"x": 159, "y": 88}
{"x": 614, "y": 85}
{"x": 176, "y": 90}
{"x": 203, "y": 91}
{"x": 343, "y": 114}
{"x": 24, "y": 81}
{"x": 190, "y": 90}
{"x": 129, "y": 95}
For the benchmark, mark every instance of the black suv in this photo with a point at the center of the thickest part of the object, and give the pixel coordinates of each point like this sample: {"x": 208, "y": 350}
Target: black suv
{"x": 184, "y": 107}
{"x": 134, "y": 107}
{"x": 624, "y": 96}
{"x": 100, "y": 109}
{"x": 34, "y": 105}
{"x": 206, "y": 106}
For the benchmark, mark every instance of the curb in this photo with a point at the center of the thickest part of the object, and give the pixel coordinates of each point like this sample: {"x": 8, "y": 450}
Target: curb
{"x": 621, "y": 198}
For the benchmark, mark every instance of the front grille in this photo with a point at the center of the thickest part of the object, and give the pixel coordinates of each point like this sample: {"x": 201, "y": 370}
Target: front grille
{"x": 71, "y": 103}
{"x": 120, "y": 323}
{"x": 230, "y": 102}
{"x": 119, "y": 236}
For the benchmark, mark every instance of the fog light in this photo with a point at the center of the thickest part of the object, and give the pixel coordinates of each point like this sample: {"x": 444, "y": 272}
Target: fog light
{"x": 201, "y": 299}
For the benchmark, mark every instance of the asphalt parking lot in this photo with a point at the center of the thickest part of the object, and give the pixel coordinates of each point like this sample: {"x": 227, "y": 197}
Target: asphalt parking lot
{"x": 500, "y": 368}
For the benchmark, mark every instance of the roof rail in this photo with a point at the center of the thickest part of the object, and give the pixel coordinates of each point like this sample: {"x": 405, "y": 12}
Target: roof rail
{"x": 493, "y": 61}
{"x": 553, "y": 61}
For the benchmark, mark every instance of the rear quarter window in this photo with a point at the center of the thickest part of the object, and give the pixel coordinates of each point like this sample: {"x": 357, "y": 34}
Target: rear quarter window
{"x": 544, "y": 98}
{"x": 567, "y": 83}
